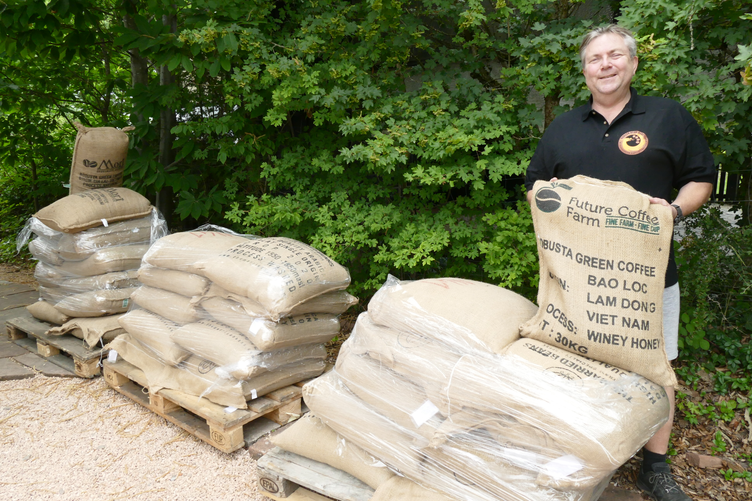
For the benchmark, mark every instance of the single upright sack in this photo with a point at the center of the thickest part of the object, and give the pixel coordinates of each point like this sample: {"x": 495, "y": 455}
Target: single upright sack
{"x": 98, "y": 158}
{"x": 92, "y": 208}
{"x": 603, "y": 250}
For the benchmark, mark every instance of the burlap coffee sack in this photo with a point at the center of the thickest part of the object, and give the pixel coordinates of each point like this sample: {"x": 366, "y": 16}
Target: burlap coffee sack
{"x": 332, "y": 303}
{"x": 111, "y": 259}
{"x": 99, "y": 157}
{"x": 95, "y": 303}
{"x": 603, "y": 251}
{"x": 198, "y": 377}
{"x": 185, "y": 251}
{"x": 44, "y": 311}
{"x": 92, "y": 330}
{"x": 402, "y": 489}
{"x": 464, "y": 313}
{"x": 331, "y": 401}
{"x": 114, "y": 280}
{"x": 277, "y": 272}
{"x": 389, "y": 394}
{"x": 312, "y": 439}
{"x": 49, "y": 275}
{"x": 135, "y": 353}
{"x": 425, "y": 361}
{"x": 234, "y": 353}
{"x": 179, "y": 282}
{"x": 93, "y": 208}
{"x": 601, "y": 422}
{"x": 133, "y": 231}
{"x": 45, "y": 250}
{"x": 468, "y": 469}
{"x": 269, "y": 335}
{"x": 155, "y": 332}
{"x": 169, "y": 305}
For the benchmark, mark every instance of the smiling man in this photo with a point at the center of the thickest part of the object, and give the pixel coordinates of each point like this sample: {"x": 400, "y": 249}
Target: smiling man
{"x": 654, "y": 145}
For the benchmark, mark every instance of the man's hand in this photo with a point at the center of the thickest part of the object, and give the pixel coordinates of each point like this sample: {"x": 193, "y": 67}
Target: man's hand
{"x": 690, "y": 197}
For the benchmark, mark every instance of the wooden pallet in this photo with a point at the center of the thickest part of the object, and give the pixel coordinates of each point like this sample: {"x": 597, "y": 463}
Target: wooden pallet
{"x": 284, "y": 475}
{"x": 226, "y": 431}
{"x": 66, "y": 351}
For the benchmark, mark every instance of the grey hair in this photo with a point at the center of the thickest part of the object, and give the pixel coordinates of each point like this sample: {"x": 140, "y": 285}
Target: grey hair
{"x": 604, "y": 30}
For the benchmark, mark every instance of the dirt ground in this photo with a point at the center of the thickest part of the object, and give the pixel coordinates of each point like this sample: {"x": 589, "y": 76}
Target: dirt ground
{"x": 77, "y": 439}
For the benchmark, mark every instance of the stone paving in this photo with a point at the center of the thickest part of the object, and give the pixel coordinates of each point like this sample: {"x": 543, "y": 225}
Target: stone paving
{"x": 17, "y": 362}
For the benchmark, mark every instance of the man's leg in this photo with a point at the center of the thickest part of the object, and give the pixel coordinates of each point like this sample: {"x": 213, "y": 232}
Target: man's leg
{"x": 655, "y": 474}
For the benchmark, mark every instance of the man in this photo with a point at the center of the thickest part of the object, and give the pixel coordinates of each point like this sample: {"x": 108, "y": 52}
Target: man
{"x": 654, "y": 145}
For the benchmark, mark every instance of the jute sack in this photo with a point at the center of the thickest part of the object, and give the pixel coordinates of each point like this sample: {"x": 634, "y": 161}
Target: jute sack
{"x": 133, "y": 231}
{"x": 92, "y": 208}
{"x": 114, "y": 280}
{"x": 312, "y": 439}
{"x": 599, "y": 422}
{"x": 44, "y": 311}
{"x": 179, "y": 282}
{"x": 399, "y": 488}
{"x": 389, "y": 394}
{"x": 169, "y": 305}
{"x": 45, "y": 251}
{"x": 49, "y": 275}
{"x": 603, "y": 251}
{"x": 98, "y": 157}
{"x": 91, "y": 330}
{"x": 108, "y": 260}
{"x": 185, "y": 251}
{"x": 155, "y": 332}
{"x": 268, "y": 335}
{"x": 331, "y": 401}
{"x": 236, "y": 356}
{"x": 458, "y": 312}
{"x": 198, "y": 377}
{"x": 423, "y": 360}
{"x": 96, "y": 303}
{"x": 277, "y": 272}
{"x": 331, "y": 303}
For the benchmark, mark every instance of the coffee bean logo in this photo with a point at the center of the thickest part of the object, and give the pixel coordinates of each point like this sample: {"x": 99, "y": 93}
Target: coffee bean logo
{"x": 547, "y": 200}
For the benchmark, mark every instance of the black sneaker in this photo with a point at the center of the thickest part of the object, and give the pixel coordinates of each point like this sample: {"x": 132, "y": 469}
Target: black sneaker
{"x": 660, "y": 485}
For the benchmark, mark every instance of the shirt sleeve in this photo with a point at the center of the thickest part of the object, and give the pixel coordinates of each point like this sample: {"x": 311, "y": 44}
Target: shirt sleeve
{"x": 696, "y": 163}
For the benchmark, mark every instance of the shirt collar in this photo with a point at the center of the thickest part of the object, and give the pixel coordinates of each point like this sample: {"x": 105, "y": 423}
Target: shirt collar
{"x": 635, "y": 105}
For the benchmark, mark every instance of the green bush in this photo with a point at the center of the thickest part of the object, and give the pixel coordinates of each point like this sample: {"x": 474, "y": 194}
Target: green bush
{"x": 715, "y": 273}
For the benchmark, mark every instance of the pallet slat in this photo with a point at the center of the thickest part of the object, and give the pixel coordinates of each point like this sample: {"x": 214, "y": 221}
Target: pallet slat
{"x": 66, "y": 351}
{"x": 281, "y": 473}
{"x": 226, "y": 431}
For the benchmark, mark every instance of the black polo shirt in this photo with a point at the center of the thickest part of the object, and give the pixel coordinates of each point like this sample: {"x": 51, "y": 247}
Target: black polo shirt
{"x": 654, "y": 145}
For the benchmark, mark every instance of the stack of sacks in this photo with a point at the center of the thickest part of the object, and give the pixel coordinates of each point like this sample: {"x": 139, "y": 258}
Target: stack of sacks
{"x": 231, "y": 318}
{"x": 89, "y": 247}
{"x": 436, "y": 383}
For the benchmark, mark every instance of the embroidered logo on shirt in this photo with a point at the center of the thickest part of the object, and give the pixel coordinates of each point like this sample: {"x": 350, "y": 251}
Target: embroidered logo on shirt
{"x": 633, "y": 142}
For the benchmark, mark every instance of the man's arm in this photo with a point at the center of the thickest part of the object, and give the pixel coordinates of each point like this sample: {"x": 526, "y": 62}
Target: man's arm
{"x": 690, "y": 197}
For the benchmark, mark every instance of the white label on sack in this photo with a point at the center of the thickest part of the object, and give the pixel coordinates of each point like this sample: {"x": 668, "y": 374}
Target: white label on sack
{"x": 230, "y": 410}
{"x": 424, "y": 413}
{"x": 112, "y": 356}
{"x": 254, "y": 395}
{"x": 256, "y": 326}
{"x": 104, "y": 223}
{"x": 563, "y": 466}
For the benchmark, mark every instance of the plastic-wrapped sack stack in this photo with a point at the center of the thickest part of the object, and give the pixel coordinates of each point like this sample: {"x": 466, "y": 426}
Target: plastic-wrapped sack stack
{"x": 436, "y": 383}
{"x": 231, "y": 318}
{"x": 89, "y": 247}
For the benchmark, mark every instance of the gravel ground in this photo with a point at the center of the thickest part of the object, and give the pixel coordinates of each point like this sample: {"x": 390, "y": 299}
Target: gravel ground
{"x": 76, "y": 439}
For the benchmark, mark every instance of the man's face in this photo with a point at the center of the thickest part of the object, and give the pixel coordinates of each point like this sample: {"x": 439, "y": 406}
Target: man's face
{"x": 608, "y": 67}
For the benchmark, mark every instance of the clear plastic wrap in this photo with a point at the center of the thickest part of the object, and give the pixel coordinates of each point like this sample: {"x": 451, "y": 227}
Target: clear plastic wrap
{"x": 90, "y": 273}
{"x": 433, "y": 401}
{"x": 180, "y": 319}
